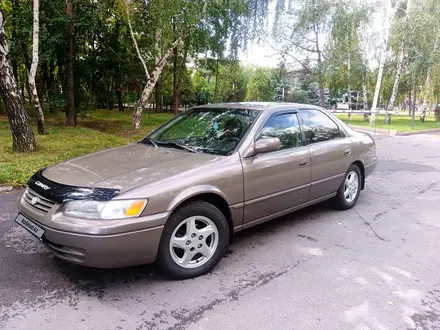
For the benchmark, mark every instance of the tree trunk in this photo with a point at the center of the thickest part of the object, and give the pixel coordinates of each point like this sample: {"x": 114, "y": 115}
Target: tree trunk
{"x": 109, "y": 94}
{"x": 175, "y": 84}
{"x": 70, "y": 111}
{"x": 399, "y": 68}
{"x": 320, "y": 74}
{"x": 119, "y": 98}
{"x": 216, "y": 79}
{"x": 133, "y": 38}
{"x": 23, "y": 139}
{"x": 26, "y": 77}
{"x": 44, "y": 83}
{"x": 159, "y": 99}
{"x": 414, "y": 102}
{"x": 409, "y": 102}
{"x": 395, "y": 86}
{"x": 365, "y": 97}
{"x": 364, "y": 56}
{"x": 137, "y": 113}
{"x": 427, "y": 84}
{"x": 383, "y": 55}
{"x": 51, "y": 84}
{"x": 32, "y": 85}
{"x": 15, "y": 9}
{"x": 349, "y": 85}
{"x": 321, "y": 81}
{"x": 378, "y": 84}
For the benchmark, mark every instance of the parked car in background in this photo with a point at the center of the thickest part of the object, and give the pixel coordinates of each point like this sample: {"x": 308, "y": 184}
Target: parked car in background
{"x": 178, "y": 196}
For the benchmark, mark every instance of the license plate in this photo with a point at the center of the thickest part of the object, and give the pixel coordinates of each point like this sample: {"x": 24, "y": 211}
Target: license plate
{"x": 30, "y": 226}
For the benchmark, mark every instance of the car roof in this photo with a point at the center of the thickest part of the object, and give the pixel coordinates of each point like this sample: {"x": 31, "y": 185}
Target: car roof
{"x": 259, "y": 106}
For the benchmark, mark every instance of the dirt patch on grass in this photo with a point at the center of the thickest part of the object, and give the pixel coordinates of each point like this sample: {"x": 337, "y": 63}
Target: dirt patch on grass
{"x": 108, "y": 126}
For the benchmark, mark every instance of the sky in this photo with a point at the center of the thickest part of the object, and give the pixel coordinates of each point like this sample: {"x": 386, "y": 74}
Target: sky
{"x": 263, "y": 55}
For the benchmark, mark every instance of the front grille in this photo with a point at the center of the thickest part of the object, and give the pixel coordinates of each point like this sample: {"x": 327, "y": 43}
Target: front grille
{"x": 42, "y": 204}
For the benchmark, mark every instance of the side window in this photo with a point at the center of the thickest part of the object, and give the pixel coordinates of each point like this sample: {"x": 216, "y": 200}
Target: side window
{"x": 318, "y": 127}
{"x": 285, "y": 127}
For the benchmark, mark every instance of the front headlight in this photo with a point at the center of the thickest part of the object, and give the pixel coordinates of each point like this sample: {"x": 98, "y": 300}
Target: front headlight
{"x": 94, "y": 210}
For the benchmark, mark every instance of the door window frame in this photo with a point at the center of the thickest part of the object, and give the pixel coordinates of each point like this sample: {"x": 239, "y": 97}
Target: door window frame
{"x": 341, "y": 134}
{"x": 279, "y": 113}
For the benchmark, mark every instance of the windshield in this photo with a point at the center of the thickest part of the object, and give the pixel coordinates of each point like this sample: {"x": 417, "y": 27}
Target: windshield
{"x": 211, "y": 130}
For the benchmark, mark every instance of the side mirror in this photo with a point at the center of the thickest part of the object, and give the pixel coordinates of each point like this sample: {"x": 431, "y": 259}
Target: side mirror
{"x": 267, "y": 145}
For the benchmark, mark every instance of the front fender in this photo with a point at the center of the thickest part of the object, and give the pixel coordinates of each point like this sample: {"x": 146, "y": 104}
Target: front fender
{"x": 194, "y": 191}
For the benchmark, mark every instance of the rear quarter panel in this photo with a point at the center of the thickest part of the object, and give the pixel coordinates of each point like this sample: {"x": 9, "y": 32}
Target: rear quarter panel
{"x": 364, "y": 149}
{"x": 363, "y": 145}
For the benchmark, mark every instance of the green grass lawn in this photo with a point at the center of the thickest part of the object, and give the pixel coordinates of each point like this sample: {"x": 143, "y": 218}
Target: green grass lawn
{"x": 103, "y": 129}
{"x": 100, "y": 130}
{"x": 399, "y": 123}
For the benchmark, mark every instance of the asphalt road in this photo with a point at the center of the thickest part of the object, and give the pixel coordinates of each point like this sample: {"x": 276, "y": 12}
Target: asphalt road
{"x": 374, "y": 267}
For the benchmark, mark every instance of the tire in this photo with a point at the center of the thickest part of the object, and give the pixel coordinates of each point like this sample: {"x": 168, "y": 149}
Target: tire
{"x": 342, "y": 202}
{"x": 182, "y": 256}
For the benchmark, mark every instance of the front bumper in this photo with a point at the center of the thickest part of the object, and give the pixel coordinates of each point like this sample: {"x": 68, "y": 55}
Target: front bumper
{"x": 104, "y": 251}
{"x": 101, "y": 244}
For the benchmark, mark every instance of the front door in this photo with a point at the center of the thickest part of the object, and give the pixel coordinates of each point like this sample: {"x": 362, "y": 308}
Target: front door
{"x": 329, "y": 150}
{"x": 280, "y": 180}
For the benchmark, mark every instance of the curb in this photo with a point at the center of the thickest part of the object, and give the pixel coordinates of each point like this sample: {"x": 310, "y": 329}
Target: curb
{"x": 393, "y": 132}
{"x": 389, "y": 132}
{"x": 425, "y": 131}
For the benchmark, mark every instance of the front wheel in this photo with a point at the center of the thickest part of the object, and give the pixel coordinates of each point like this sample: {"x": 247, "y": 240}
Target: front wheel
{"x": 349, "y": 191}
{"x": 194, "y": 240}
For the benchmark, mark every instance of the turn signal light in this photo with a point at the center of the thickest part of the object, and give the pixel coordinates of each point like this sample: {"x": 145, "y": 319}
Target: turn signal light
{"x": 135, "y": 208}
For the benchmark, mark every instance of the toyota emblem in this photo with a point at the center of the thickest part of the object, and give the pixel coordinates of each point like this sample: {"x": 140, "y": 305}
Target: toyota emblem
{"x": 34, "y": 200}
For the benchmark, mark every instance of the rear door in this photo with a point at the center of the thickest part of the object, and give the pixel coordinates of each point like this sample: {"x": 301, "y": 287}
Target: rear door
{"x": 330, "y": 152}
{"x": 279, "y": 180}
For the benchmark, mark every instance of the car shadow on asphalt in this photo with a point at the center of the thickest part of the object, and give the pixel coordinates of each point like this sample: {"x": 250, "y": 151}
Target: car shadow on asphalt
{"x": 95, "y": 281}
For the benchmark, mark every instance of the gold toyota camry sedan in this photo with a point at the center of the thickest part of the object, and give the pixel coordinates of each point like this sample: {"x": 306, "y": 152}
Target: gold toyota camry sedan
{"x": 177, "y": 196}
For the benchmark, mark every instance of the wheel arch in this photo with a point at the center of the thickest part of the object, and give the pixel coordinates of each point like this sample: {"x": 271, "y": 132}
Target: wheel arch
{"x": 361, "y": 167}
{"x": 211, "y": 196}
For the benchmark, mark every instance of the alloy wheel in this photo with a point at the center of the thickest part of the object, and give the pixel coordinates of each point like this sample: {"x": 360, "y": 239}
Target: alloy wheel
{"x": 351, "y": 186}
{"x": 194, "y": 242}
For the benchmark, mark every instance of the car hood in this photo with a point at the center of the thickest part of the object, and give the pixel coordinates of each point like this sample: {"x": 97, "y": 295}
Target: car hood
{"x": 126, "y": 167}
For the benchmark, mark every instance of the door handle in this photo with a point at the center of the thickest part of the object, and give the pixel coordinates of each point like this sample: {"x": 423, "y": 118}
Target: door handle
{"x": 303, "y": 164}
{"x": 347, "y": 152}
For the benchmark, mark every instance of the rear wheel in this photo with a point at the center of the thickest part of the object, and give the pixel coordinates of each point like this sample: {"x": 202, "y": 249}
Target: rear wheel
{"x": 194, "y": 240}
{"x": 349, "y": 191}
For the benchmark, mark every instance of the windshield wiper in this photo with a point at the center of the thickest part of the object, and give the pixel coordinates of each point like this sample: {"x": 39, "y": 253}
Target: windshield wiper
{"x": 178, "y": 146}
{"x": 150, "y": 140}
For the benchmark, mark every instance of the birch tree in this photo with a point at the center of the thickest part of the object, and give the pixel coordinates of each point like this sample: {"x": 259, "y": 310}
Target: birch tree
{"x": 400, "y": 60}
{"x": 32, "y": 85}
{"x": 364, "y": 58}
{"x": 387, "y": 7}
{"x": 23, "y": 139}
{"x": 199, "y": 26}
{"x": 148, "y": 89}
{"x": 151, "y": 78}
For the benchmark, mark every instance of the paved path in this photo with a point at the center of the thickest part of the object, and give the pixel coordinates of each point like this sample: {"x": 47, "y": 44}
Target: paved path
{"x": 374, "y": 267}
